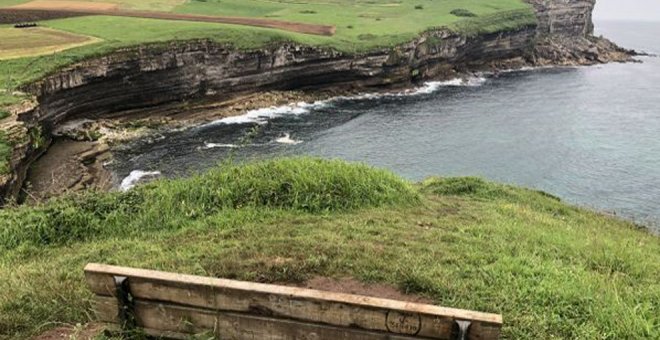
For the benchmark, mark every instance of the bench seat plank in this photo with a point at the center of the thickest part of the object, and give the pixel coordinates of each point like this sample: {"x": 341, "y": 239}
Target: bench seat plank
{"x": 304, "y": 306}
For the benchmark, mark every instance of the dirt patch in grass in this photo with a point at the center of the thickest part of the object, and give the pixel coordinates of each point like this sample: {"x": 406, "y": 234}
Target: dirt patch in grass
{"x": 350, "y": 285}
{"x": 89, "y": 8}
{"x": 85, "y": 332}
{"x": 12, "y": 16}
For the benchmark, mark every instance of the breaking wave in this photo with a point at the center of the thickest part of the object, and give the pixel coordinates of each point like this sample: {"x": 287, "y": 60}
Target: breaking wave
{"x": 134, "y": 178}
{"x": 286, "y": 139}
{"x": 218, "y": 145}
{"x": 262, "y": 116}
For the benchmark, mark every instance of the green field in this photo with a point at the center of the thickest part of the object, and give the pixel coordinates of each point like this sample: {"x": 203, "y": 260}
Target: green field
{"x": 361, "y": 25}
{"x": 553, "y": 271}
{"x": 36, "y": 41}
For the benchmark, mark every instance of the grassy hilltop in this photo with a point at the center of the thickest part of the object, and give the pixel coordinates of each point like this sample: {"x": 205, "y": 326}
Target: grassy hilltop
{"x": 552, "y": 270}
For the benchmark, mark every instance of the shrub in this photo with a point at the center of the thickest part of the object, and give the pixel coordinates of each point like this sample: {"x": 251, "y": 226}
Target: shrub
{"x": 419, "y": 6}
{"x": 4, "y": 114}
{"x": 461, "y": 12}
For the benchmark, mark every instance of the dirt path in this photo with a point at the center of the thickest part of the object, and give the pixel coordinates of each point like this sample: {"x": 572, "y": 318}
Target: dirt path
{"x": 76, "y": 8}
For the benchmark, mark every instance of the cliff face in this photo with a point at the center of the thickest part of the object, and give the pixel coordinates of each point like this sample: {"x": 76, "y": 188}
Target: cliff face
{"x": 564, "y": 17}
{"x": 151, "y": 76}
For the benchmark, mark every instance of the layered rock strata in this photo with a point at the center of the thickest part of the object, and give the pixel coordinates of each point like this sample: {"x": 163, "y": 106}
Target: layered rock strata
{"x": 150, "y": 76}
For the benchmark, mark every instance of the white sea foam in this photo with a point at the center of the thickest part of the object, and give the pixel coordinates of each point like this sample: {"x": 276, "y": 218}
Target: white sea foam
{"x": 262, "y": 116}
{"x": 433, "y": 86}
{"x": 134, "y": 178}
{"x": 286, "y": 139}
{"x": 218, "y": 145}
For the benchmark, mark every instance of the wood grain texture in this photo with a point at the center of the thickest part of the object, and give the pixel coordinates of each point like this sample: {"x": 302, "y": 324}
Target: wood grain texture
{"x": 212, "y": 297}
{"x": 172, "y": 321}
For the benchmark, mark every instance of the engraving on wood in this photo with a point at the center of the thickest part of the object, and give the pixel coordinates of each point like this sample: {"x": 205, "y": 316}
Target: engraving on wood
{"x": 403, "y": 323}
{"x": 177, "y": 305}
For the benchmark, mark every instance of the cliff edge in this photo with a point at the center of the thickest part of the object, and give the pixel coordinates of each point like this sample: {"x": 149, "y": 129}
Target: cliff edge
{"x": 154, "y": 75}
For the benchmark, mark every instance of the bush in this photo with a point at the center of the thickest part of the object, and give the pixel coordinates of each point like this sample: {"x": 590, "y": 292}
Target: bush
{"x": 461, "y": 12}
{"x": 419, "y": 7}
{"x": 4, "y": 114}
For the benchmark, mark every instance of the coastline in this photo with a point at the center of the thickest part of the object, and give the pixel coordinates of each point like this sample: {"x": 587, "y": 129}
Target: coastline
{"x": 97, "y": 138}
{"x": 124, "y": 94}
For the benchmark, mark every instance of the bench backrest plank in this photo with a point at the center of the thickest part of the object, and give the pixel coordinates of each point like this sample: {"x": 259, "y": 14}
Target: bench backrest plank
{"x": 186, "y": 304}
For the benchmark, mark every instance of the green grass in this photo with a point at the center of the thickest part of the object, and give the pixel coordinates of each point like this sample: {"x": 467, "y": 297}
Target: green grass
{"x": 7, "y": 99}
{"x": 386, "y": 22}
{"x": 5, "y": 152}
{"x": 124, "y": 32}
{"x": 552, "y": 270}
{"x": 18, "y": 43}
{"x": 302, "y": 184}
{"x": 361, "y": 26}
{"x": 151, "y": 5}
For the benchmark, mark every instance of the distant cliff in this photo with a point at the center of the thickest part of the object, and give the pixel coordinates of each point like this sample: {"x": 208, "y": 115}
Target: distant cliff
{"x": 149, "y": 76}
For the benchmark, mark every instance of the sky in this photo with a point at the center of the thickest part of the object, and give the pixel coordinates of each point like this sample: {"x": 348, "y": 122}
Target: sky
{"x": 647, "y": 10}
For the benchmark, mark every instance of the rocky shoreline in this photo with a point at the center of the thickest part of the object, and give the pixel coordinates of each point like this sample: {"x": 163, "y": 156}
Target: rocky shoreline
{"x": 123, "y": 95}
{"x": 78, "y": 157}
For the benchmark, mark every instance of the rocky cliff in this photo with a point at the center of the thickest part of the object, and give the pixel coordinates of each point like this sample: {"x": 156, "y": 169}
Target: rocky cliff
{"x": 151, "y": 76}
{"x": 564, "y": 17}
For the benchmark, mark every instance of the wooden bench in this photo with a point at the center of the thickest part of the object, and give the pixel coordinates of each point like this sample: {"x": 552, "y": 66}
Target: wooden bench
{"x": 177, "y": 306}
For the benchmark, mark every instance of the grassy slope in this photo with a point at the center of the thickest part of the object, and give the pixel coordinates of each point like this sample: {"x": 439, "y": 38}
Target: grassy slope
{"x": 552, "y": 270}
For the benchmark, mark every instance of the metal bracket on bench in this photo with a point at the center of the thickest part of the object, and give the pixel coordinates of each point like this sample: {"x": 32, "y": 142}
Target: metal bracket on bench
{"x": 125, "y": 303}
{"x": 461, "y": 328}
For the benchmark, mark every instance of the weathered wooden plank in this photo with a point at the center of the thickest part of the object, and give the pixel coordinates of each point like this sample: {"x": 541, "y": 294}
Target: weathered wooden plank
{"x": 305, "y": 305}
{"x": 106, "y": 309}
{"x": 179, "y": 322}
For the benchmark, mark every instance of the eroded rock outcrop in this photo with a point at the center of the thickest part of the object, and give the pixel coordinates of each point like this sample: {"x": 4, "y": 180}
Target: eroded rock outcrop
{"x": 150, "y": 76}
{"x": 565, "y": 35}
{"x": 564, "y": 17}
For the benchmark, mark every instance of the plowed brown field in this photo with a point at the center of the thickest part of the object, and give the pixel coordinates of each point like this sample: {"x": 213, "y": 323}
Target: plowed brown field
{"x": 77, "y": 8}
